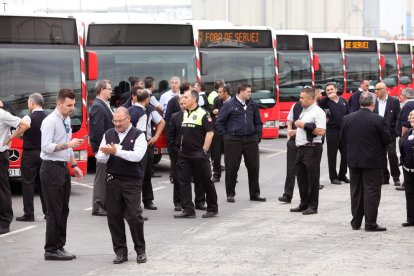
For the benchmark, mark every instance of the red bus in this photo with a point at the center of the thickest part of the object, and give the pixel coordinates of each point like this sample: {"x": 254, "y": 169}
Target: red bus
{"x": 295, "y": 68}
{"x": 406, "y": 64}
{"x": 42, "y": 54}
{"x": 390, "y": 68}
{"x": 157, "y": 50}
{"x": 242, "y": 54}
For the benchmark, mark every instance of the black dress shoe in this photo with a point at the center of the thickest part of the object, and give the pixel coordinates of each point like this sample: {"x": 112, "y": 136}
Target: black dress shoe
{"x": 375, "y": 229}
{"x": 407, "y": 224}
{"x": 356, "y": 227}
{"x": 230, "y": 199}
{"x": 141, "y": 258}
{"x": 321, "y": 187}
{"x": 215, "y": 179}
{"x": 298, "y": 209}
{"x": 144, "y": 218}
{"x": 336, "y": 181}
{"x": 285, "y": 199}
{"x": 222, "y": 168}
{"x": 386, "y": 182}
{"x": 63, "y": 251}
{"x": 25, "y": 218}
{"x": 150, "y": 206}
{"x": 4, "y": 230}
{"x": 178, "y": 208}
{"x": 397, "y": 182}
{"x": 58, "y": 255}
{"x": 309, "y": 211}
{"x": 200, "y": 207}
{"x": 119, "y": 259}
{"x": 344, "y": 179}
{"x": 100, "y": 212}
{"x": 400, "y": 188}
{"x": 155, "y": 175}
{"x": 209, "y": 214}
{"x": 185, "y": 215}
{"x": 258, "y": 198}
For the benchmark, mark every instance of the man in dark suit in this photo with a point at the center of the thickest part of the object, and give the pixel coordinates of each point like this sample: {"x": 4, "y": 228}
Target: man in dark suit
{"x": 366, "y": 160}
{"x": 100, "y": 119}
{"x": 389, "y": 108}
{"x": 354, "y": 100}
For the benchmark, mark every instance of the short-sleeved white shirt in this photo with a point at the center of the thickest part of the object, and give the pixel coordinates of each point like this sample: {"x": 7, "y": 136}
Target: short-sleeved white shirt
{"x": 312, "y": 114}
{"x": 290, "y": 115}
{"x": 6, "y": 122}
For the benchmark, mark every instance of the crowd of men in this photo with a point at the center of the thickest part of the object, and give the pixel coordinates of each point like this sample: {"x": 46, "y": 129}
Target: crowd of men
{"x": 199, "y": 127}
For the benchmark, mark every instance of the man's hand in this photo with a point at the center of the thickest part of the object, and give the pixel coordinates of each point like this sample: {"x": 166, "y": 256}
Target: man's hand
{"x": 152, "y": 141}
{"x": 7, "y": 142}
{"x": 1, "y": 104}
{"x": 299, "y": 124}
{"x": 291, "y": 132}
{"x": 75, "y": 142}
{"x": 108, "y": 149}
{"x": 78, "y": 173}
{"x": 215, "y": 111}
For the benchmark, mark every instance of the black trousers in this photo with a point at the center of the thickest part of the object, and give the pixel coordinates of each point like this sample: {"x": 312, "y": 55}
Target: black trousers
{"x": 6, "y": 211}
{"x": 56, "y": 185}
{"x": 234, "y": 148}
{"x": 393, "y": 161}
{"x": 147, "y": 191}
{"x": 334, "y": 144}
{"x": 200, "y": 169}
{"x": 365, "y": 195}
{"x": 409, "y": 194}
{"x": 292, "y": 150}
{"x": 123, "y": 200}
{"x": 30, "y": 167}
{"x": 216, "y": 151}
{"x": 307, "y": 166}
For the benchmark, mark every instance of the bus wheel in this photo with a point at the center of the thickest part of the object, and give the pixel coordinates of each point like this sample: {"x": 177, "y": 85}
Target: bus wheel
{"x": 157, "y": 158}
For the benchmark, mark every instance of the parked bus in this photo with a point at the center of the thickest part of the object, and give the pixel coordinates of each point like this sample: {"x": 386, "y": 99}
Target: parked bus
{"x": 43, "y": 55}
{"x": 295, "y": 68}
{"x": 329, "y": 49}
{"x": 406, "y": 64}
{"x": 140, "y": 50}
{"x": 362, "y": 61}
{"x": 390, "y": 75}
{"x": 242, "y": 54}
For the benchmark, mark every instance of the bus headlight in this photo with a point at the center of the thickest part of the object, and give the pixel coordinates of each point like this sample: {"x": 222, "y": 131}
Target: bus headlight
{"x": 269, "y": 124}
{"x": 81, "y": 155}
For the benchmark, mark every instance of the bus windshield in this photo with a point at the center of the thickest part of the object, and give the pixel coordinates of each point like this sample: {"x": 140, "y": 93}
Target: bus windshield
{"x": 118, "y": 63}
{"x": 330, "y": 70}
{"x": 361, "y": 66}
{"x": 46, "y": 70}
{"x": 255, "y": 67}
{"x": 405, "y": 69}
{"x": 390, "y": 71}
{"x": 294, "y": 74}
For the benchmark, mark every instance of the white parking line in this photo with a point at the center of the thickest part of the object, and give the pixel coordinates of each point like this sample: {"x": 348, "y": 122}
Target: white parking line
{"x": 88, "y": 209}
{"x": 163, "y": 182}
{"x": 18, "y": 231}
{"x": 159, "y": 188}
{"x": 277, "y": 153}
{"x": 269, "y": 149}
{"x": 87, "y": 185}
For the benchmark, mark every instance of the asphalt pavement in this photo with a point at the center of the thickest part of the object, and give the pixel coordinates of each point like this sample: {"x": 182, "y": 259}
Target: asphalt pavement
{"x": 247, "y": 238}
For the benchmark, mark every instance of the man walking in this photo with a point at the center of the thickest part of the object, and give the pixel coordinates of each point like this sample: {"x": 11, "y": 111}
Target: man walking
{"x": 366, "y": 161}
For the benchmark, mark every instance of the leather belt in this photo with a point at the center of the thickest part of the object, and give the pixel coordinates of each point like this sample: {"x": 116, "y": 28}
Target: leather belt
{"x": 310, "y": 145}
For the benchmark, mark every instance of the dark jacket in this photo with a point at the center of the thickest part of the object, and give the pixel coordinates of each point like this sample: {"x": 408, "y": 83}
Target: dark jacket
{"x": 335, "y": 112}
{"x": 366, "y": 136}
{"x": 174, "y": 132}
{"x": 402, "y": 120}
{"x": 407, "y": 152}
{"x": 236, "y": 120}
{"x": 392, "y": 110}
{"x": 354, "y": 101}
{"x": 100, "y": 120}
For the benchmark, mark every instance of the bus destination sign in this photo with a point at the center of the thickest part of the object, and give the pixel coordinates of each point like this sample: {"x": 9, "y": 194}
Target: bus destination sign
{"x": 360, "y": 46}
{"x": 235, "y": 38}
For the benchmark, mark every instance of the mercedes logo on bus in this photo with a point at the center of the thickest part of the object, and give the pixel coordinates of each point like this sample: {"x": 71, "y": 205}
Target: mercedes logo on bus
{"x": 14, "y": 155}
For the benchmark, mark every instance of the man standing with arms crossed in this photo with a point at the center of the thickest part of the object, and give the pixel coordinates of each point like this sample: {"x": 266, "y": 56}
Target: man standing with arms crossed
{"x": 54, "y": 173}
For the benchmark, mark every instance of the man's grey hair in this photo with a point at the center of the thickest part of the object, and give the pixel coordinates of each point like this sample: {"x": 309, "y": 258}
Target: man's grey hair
{"x": 367, "y": 99}
{"x": 122, "y": 110}
{"x": 408, "y": 93}
{"x": 175, "y": 78}
{"x": 37, "y": 99}
{"x": 100, "y": 84}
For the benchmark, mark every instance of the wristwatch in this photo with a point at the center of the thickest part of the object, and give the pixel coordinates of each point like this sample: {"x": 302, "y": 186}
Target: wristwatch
{"x": 74, "y": 165}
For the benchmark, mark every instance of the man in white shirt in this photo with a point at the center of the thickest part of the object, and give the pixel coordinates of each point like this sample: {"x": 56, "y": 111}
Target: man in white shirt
{"x": 174, "y": 91}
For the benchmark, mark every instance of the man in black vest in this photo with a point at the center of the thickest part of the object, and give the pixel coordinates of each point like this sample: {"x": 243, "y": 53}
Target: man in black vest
{"x": 122, "y": 149}
{"x": 31, "y": 161}
{"x": 389, "y": 108}
{"x": 100, "y": 121}
{"x": 335, "y": 108}
{"x": 366, "y": 161}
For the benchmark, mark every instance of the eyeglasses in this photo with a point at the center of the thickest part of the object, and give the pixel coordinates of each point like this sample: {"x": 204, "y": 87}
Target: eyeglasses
{"x": 376, "y": 89}
{"x": 119, "y": 121}
{"x": 67, "y": 127}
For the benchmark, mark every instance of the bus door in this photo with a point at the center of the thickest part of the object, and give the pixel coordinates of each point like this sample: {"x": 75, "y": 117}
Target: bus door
{"x": 405, "y": 66}
{"x": 390, "y": 67}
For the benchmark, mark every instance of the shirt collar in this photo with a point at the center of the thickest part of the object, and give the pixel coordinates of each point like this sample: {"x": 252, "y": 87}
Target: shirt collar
{"x": 385, "y": 100}
{"x": 241, "y": 101}
{"x": 37, "y": 109}
{"x": 59, "y": 115}
{"x": 126, "y": 131}
{"x": 310, "y": 107}
{"x": 106, "y": 102}
{"x": 140, "y": 105}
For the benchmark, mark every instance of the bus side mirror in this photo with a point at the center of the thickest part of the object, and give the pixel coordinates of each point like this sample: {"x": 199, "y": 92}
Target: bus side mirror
{"x": 382, "y": 61}
{"x": 203, "y": 63}
{"x": 91, "y": 65}
{"x": 316, "y": 62}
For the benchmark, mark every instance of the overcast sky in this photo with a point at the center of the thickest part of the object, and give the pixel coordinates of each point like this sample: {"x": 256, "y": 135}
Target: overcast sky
{"x": 392, "y": 12}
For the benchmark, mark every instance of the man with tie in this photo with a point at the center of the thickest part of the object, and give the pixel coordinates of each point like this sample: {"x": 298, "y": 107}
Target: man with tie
{"x": 100, "y": 121}
{"x": 389, "y": 108}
